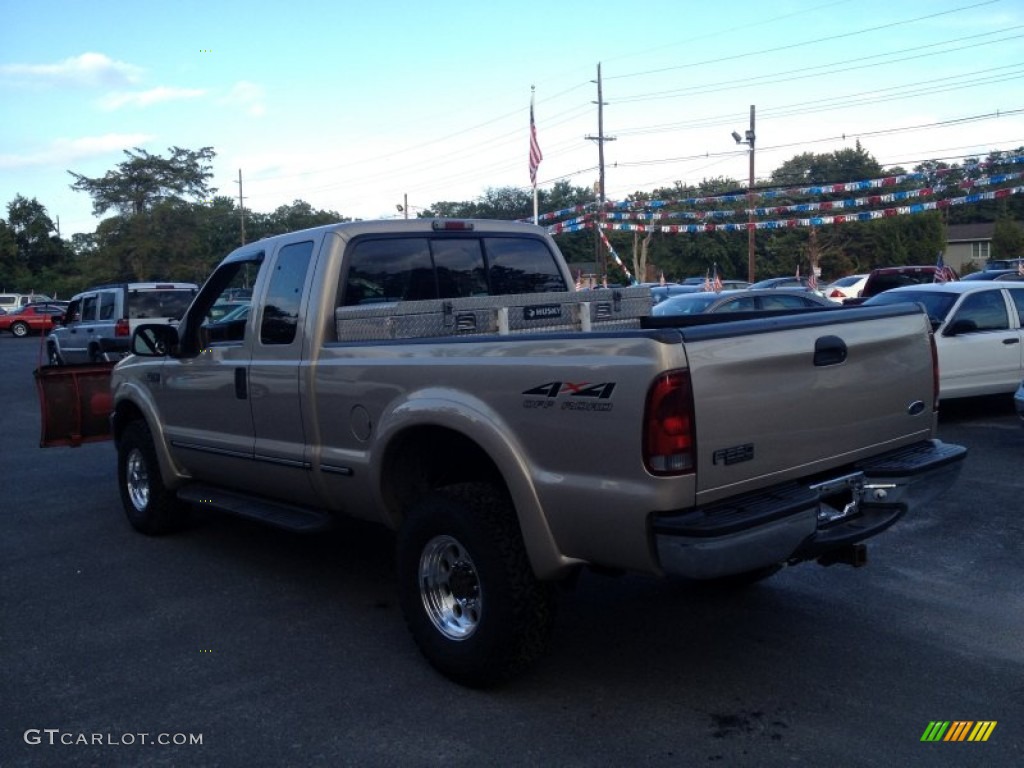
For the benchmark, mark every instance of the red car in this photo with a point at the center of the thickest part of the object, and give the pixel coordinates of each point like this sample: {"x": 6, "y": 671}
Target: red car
{"x": 32, "y": 318}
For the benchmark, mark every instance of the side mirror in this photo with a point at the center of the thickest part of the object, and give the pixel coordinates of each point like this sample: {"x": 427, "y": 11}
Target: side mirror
{"x": 960, "y": 327}
{"x": 153, "y": 340}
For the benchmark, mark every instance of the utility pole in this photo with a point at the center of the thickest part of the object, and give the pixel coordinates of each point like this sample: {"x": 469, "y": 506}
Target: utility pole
{"x": 750, "y": 202}
{"x": 241, "y": 205}
{"x": 748, "y": 139}
{"x": 600, "y": 139}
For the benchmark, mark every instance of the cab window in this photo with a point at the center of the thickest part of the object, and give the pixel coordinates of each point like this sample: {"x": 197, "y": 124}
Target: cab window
{"x": 985, "y": 309}
{"x": 391, "y": 269}
{"x": 106, "y": 305}
{"x": 89, "y": 304}
{"x": 281, "y": 308}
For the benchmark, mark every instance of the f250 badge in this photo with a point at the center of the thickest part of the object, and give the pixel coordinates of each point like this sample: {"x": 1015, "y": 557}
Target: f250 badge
{"x": 576, "y": 396}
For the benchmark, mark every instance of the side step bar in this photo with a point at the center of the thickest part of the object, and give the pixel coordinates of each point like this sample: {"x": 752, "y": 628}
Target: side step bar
{"x": 278, "y": 514}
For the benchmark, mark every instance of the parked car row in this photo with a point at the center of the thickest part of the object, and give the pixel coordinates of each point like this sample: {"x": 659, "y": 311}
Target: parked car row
{"x": 743, "y": 300}
{"x": 33, "y": 318}
{"x": 9, "y": 302}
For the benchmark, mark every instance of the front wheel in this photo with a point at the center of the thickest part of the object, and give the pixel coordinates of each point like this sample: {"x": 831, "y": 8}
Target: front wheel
{"x": 469, "y": 595}
{"x": 20, "y": 330}
{"x": 151, "y": 508}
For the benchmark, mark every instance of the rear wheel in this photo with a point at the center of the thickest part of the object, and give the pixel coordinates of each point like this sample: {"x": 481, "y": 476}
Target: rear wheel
{"x": 151, "y": 508}
{"x": 20, "y": 330}
{"x": 469, "y": 595}
{"x": 53, "y": 355}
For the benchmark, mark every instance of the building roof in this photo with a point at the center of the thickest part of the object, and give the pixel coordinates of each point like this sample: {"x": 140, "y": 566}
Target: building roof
{"x": 965, "y": 233}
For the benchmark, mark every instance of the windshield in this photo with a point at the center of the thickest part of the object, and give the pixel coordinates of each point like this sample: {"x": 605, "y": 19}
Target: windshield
{"x": 936, "y": 303}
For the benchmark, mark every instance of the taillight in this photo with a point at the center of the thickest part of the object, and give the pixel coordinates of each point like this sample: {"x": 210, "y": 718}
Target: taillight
{"x": 669, "y": 442}
{"x": 121, "y": 328}
{"x": 836, "y": 294}
{"x": 935, "y": 372}
{"x": 446, "y": 225}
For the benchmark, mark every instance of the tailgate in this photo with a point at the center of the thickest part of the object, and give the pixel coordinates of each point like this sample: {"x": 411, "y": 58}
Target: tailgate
{"x": 788, "y": 397}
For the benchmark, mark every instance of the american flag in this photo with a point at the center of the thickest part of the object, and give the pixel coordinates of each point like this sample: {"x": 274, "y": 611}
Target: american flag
{"x": 812, "y": 281}
{"x": 716, "y": 282}
{"x": 1020, "y": 267}
{"x": 535, "y": 154}
{"x": 943, "y": 274}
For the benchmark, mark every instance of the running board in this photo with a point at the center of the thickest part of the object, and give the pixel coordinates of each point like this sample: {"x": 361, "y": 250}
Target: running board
{"x": 277, "y": 514}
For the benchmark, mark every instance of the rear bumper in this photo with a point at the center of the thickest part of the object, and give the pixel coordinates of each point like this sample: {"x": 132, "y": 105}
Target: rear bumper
{"x": 118, "y": 345}
{"x": 804, "y": 520}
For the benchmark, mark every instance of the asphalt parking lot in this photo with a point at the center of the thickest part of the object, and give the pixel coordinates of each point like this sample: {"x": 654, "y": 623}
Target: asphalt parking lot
{"x": 231, "y": 644}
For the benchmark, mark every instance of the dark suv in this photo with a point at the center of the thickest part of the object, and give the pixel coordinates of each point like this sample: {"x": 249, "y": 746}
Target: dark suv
{"x": 884, "y": 278}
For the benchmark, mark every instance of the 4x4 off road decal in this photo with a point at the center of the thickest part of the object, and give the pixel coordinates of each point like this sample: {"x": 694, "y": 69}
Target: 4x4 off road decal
{"x": 571, "y": 396}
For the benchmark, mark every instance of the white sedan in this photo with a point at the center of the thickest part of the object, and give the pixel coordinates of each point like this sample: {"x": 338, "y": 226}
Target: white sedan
{"x": 848, "y": 287}
{"x": 979, "y": 333}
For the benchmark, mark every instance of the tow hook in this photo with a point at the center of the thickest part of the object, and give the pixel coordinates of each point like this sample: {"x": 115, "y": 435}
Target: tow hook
{"x": 852, "y": 554}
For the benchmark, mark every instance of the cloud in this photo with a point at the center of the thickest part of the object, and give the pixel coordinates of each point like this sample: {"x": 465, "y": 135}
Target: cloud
{"x": 91, "y": 70}
{"x": 148, "y": 98}
{"x": 61, "y": 152}
{"x": 247, "y": 96}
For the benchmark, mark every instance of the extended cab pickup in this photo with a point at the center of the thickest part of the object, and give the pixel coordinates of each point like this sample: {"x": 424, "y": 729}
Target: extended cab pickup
{"x": 444, "y": 379}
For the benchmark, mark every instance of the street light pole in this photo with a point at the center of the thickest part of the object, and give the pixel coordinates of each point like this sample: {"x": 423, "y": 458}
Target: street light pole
{"x": 748, "y": 139}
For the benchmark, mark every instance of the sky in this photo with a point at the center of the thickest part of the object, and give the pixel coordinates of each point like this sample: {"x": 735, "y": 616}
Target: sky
{"x": 360, "y": 107}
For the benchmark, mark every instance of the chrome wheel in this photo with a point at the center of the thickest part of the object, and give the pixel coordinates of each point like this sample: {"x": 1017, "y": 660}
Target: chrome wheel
{"x": 450, "y": 588}
{"x": 20, "y": 330}
{"x": 137, "y": 479}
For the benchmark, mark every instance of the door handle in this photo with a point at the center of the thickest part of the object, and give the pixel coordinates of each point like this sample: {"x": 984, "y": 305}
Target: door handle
{"x": 1011, "y": 341}
{"x": 241, "y": 390}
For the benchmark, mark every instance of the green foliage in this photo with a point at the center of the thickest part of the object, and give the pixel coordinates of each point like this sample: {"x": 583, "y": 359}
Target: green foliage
{"x": 31, "y": 251}
{"x": 831, "y": 168}
{"x": 144, "y": 180}
{"x": 1007, "y": 239}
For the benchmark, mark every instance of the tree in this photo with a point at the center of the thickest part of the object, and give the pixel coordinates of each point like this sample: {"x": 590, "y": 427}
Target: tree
{"x": 1007, "y": 239}
{"x": 834, "y": 167}
{"x": 143, "y": 180}
{"x": 37, "y": 245}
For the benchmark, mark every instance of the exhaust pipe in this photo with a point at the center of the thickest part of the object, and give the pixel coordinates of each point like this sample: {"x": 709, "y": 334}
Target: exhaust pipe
{"x": 852, "y": 554}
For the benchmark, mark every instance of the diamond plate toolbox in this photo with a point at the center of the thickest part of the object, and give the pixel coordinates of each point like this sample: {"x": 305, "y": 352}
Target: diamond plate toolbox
{"x": 603, "y": 308}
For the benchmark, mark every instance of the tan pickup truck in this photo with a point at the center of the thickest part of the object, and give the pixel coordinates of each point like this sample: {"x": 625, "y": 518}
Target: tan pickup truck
{"x": 444, "y": 379}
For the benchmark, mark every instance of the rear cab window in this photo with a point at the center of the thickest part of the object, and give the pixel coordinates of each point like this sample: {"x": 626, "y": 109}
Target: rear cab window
{"x": 416, "y": 268}
{"x": 149, "y": 303}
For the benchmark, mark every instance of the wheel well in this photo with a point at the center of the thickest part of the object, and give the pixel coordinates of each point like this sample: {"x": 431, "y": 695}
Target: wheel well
{"x": 425, "y": 458}
{"x": 125, "y": 413}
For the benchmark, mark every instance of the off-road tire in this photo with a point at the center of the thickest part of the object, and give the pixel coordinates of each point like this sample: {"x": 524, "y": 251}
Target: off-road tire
{"x": 469, "y": 595}
{"x": 151, "y": 508}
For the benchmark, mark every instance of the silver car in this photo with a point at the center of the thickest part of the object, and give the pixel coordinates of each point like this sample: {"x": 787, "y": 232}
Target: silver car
{"x": 99, "y": 322}
{"x": 747, "y": 300}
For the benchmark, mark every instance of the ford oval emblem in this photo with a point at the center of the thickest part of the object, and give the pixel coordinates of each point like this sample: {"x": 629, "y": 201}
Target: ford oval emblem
{"x": 915, "y": 408}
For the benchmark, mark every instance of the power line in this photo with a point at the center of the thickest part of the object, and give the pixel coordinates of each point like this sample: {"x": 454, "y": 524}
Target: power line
{"x": 791, "y": 46}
